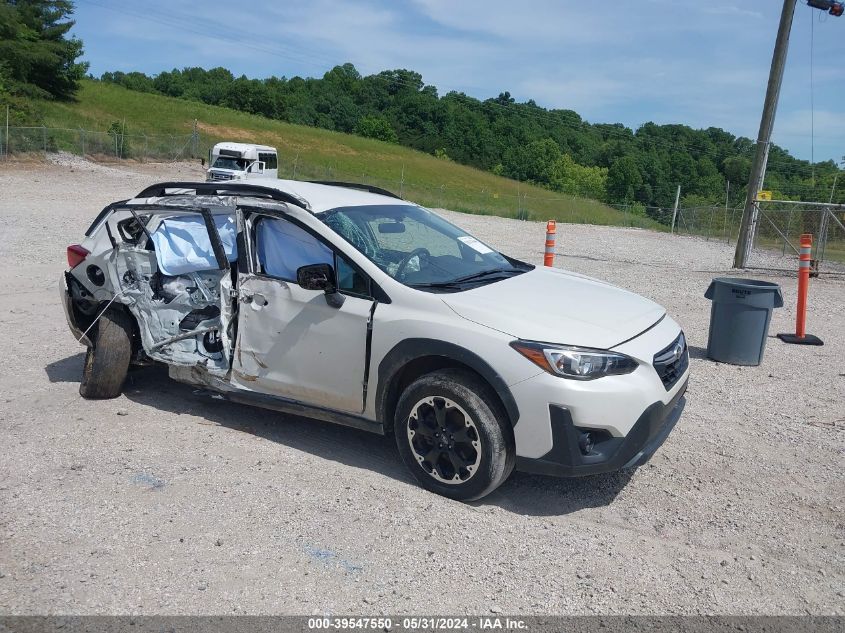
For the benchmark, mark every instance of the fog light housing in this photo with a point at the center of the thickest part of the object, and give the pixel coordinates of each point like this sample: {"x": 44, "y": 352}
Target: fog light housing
{"x": 586, "y": 443}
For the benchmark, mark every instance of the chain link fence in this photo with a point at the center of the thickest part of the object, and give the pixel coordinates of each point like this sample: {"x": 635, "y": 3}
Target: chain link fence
{"x": 778, "y": 231}
{"x": 108, "y": 145}
{"x": 779, "y": 228}
{"x": 114, "y": 145}
{"x": 645, "y": 217}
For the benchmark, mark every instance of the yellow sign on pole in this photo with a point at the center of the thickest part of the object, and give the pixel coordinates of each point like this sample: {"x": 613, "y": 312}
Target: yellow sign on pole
{"x": 764, "y": 195}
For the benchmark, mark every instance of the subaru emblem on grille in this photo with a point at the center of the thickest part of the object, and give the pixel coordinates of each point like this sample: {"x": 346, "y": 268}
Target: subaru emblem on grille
{"x": 678, "y": 351}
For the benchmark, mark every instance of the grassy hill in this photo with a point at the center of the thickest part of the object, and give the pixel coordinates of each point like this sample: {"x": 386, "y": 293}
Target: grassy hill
{"x": 315, "y": 153}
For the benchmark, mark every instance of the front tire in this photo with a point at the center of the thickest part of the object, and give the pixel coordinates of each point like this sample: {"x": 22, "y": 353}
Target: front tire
{"x": 107, "y": 362}
{"x": 453, "y": 435}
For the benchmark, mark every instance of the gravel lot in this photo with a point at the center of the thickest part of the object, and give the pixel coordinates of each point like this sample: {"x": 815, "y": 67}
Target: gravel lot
{"x": 165, "y": 501}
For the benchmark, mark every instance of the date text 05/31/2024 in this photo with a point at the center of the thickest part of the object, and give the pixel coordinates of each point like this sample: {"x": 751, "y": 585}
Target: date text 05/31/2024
{"x": 481, "y": 623}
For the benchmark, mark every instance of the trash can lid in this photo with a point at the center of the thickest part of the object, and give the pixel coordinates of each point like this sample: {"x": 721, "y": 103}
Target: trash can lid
{"x": 750, "y": 284}
{"x": 746, "y": 288}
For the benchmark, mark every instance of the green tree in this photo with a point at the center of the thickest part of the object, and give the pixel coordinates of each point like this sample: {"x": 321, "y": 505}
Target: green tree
{"x": 533, "y": 162}
{"x": 737, "y": 169}
{"x": 570, "y": 177}
{"x": 554, "y": 148}
{"x": 376, "y": 127}
{"x": 708, "y": 182}
{"x": 22, "y": 110}
{"x": 133, "y": 81}
{"x": 247, "y": 95}
{"x": 623, "y": 180}
{"x": 541, "y": 157}
{"x": 39, "y": 58}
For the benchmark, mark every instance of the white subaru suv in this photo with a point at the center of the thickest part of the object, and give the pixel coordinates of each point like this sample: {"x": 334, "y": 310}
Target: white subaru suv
{"x": 344, "y": 303}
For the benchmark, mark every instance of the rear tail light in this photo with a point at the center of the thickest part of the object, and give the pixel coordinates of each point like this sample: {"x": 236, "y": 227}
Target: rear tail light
{"x": 76, "y": 254}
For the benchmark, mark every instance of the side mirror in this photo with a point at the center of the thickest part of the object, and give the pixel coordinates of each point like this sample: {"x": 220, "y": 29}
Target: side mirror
{"x": 320, "y": 277}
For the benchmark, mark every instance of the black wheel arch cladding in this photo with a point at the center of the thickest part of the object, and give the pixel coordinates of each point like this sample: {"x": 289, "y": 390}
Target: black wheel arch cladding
{"x": 414, "y": 349}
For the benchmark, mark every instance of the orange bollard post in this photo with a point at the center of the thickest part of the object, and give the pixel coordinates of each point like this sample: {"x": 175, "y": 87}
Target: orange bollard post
{"x": 801, "y": 337}
{"x": 803, "y": 284}
{"x": 551, "y": 230}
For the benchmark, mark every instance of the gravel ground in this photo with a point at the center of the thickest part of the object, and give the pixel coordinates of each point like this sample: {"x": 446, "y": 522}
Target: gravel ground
{"x": 164, "y": 501}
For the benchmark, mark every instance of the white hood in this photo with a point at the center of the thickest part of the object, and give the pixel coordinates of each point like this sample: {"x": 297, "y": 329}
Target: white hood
{"x": 554, "y": 306}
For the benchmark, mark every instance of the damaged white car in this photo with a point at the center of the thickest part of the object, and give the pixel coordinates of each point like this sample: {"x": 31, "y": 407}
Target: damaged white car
{"x": 347, "y": 304}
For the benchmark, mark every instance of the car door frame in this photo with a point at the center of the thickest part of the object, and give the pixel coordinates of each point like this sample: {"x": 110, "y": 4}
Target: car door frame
{"x": 248, "y": 265}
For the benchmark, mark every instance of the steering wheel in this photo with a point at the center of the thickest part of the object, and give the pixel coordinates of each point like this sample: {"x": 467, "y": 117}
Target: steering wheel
{"x": 417, "y": 252}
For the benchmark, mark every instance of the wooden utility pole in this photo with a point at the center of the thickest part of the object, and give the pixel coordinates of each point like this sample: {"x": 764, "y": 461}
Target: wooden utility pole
{"x": 675, "y": 208}
{"x": 758, "y": 168}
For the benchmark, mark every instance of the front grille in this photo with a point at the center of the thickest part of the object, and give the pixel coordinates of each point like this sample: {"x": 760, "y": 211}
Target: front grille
{"x": 672, "y": 361}
{"x": 216, "y": 176}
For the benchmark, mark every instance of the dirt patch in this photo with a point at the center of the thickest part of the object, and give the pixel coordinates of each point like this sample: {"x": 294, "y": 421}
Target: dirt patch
{"x": 240, "y": 135}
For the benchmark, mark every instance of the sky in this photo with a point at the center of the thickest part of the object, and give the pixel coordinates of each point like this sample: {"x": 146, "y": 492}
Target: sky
{"x": 698, "y": 62}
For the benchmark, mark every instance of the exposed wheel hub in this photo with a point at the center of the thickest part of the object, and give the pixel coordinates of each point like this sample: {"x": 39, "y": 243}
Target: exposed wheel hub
{"x": 444, "y": 440}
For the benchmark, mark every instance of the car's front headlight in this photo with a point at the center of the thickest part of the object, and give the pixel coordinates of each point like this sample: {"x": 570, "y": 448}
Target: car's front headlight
{"x": 579, "y": 363}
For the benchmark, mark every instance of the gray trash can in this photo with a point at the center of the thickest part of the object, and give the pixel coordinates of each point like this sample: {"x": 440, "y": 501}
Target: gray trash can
{"x": 739, "y": 319}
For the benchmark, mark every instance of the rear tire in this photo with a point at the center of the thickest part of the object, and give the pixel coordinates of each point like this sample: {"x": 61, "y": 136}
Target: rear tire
{"x": 453, "y": 435}
{"x": 107, "y": 362}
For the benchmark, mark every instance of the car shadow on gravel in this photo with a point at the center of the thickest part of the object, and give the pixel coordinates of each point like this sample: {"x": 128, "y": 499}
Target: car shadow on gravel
{"x": 521, "y": 494}
{"x": 538, "y": 495}
{"x": 152, "y": 387}
{"x": 66, "y": 370}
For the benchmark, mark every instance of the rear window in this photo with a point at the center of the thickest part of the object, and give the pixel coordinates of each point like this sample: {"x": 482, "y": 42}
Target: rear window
{"x": 182, "y": 243}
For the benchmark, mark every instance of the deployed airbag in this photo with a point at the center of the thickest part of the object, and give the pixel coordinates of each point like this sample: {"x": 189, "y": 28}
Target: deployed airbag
{"x": 283, "y": 247}
{"x": 182, "y": 243}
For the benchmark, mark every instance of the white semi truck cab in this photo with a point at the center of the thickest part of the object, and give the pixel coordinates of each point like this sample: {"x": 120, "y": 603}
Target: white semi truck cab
{"x": 242, "y": 161}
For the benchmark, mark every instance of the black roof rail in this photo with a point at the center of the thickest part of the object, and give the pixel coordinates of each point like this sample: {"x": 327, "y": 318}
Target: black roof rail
{"x": 101, "y": 215}
{"x": 222, "y": 189}
{"x": 355, "y": 185}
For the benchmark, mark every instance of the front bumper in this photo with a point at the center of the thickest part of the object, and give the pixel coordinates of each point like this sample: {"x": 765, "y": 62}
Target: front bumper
{"x": 565, "y": 458}
{"x": 218, "y": 176}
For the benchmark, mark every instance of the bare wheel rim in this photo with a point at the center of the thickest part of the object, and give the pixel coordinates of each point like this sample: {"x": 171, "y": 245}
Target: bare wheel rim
{"x": 444, "y": 440}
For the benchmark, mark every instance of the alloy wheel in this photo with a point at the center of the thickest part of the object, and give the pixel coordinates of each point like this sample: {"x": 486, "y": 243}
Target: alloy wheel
{"x": 444, "y": 440}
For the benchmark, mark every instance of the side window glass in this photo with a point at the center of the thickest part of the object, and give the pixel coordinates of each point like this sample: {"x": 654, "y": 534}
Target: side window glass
{"x": 270, "y": 161}
{"x": 349, "y": 279}
{"x": 282, "y": 247}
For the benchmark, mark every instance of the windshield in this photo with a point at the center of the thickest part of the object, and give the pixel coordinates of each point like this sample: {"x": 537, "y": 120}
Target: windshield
{"x": 227, "y": 162}
{"x": 419, "y": 248}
